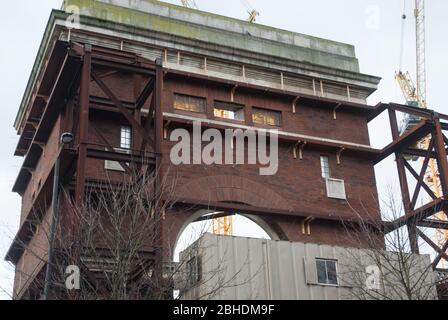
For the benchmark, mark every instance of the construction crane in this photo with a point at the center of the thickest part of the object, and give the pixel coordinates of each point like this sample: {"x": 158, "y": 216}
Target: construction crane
{"x": 189, "y": 4}
{"x": 223, "y": 226}
{"x": 253, "y": 14}
{"x": 415, "y": 95}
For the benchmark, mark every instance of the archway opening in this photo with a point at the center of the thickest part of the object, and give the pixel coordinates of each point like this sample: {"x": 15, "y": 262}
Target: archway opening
{"x": 243, "y": 226}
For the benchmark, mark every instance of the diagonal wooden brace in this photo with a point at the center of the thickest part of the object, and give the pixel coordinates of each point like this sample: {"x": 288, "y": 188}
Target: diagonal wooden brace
{"x": 142, "y": 132}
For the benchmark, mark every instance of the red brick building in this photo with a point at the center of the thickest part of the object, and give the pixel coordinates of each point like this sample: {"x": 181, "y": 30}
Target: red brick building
{"x": 127, "y": 77}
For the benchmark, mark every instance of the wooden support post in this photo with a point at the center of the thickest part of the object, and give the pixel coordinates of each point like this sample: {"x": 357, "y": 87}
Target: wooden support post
{"x": 84, "y": 96}
{"x": 411, "y": 225}
{"x": 84, "y": 99}
{"x": 159, "y": 215}
{"x": 158, "y": 108}
{"x": 421, "y": 178}
{"x": 442, "y": 162}
{"x": 136, "y": 139}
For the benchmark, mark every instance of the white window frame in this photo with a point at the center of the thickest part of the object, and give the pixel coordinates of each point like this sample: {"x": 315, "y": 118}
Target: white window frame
{"x": 265, "y": 111}
{"x": 125, "y": 148}
{"x": 326, "y": 272}
{"x": 125, "y": 137}
{"x": 232, "y": 111}
{"x": 189, "y": 97}
{"x": 340, "y": 194}
{"x": 325, "y": 169}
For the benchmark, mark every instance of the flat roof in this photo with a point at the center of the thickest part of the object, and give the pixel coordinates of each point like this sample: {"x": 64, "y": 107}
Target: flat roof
{"x": 202, "y": 29}
{"x": 213, "y": 28}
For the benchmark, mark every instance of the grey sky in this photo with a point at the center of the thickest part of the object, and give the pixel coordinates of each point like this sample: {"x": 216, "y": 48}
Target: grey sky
{"x": 377, "y": 42}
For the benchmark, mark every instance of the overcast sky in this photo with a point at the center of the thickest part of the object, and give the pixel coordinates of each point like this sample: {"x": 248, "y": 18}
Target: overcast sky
{"x": 373, "y": 26}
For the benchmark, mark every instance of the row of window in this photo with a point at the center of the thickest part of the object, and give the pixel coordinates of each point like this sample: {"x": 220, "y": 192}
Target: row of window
{"x": 227, "y": 110}
{"x": 126, "y": 143}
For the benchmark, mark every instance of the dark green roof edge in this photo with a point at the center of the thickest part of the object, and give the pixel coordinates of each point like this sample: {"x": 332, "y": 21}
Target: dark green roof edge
{"x": 240, "y": 21}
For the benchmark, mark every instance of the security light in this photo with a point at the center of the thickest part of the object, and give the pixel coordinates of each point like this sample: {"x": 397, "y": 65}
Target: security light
{"x": 66, "y": 138}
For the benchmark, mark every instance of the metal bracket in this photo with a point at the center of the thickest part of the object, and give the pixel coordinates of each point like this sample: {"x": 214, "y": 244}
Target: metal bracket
{"x": 299, "y": 146}
{"x": 335, "y": 109}
{"x": 338, "y": 155}
{"x": 306, "y": 225}
{"x": 294, "y": 104}
{"x": 232, "y": 93}
{"x": 294, "y": 149}
{"x": 165, "y": 129}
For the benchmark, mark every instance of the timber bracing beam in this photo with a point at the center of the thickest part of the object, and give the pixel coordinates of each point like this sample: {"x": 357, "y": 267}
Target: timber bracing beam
{"x": 74, "y": 78}
{"x": 401, "y": 142}
{"x": 442, "y": 253}
{"x": 431, "y": 128}
{"x": 419, "y": 214}
{"x": 124, "y": 111}
{"x": 84, "y": 102}
{"x": 439, "y": 256}
{"x": 433, "y": 223}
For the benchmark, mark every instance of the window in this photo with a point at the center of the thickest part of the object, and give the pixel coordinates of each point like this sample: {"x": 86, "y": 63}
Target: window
{"x": 125, "y": 148}
{"x": 326, "y": 272}
{"x": 193, "y": 271}
{"x": 126, "y": 137}
{"x": 266, "y": 117}
{"x": 189, "y": 103}
{"x": 325, "y": 167}
{"x": 229, "y": 110}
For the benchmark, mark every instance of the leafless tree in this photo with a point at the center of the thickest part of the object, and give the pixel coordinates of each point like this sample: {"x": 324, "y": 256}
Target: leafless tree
{"x": 386, "y": 269}
{"x": 114, "y": 240}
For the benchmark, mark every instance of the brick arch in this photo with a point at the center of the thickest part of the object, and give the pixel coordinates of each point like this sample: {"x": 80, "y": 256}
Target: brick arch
{"x": 224, "y": 188}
